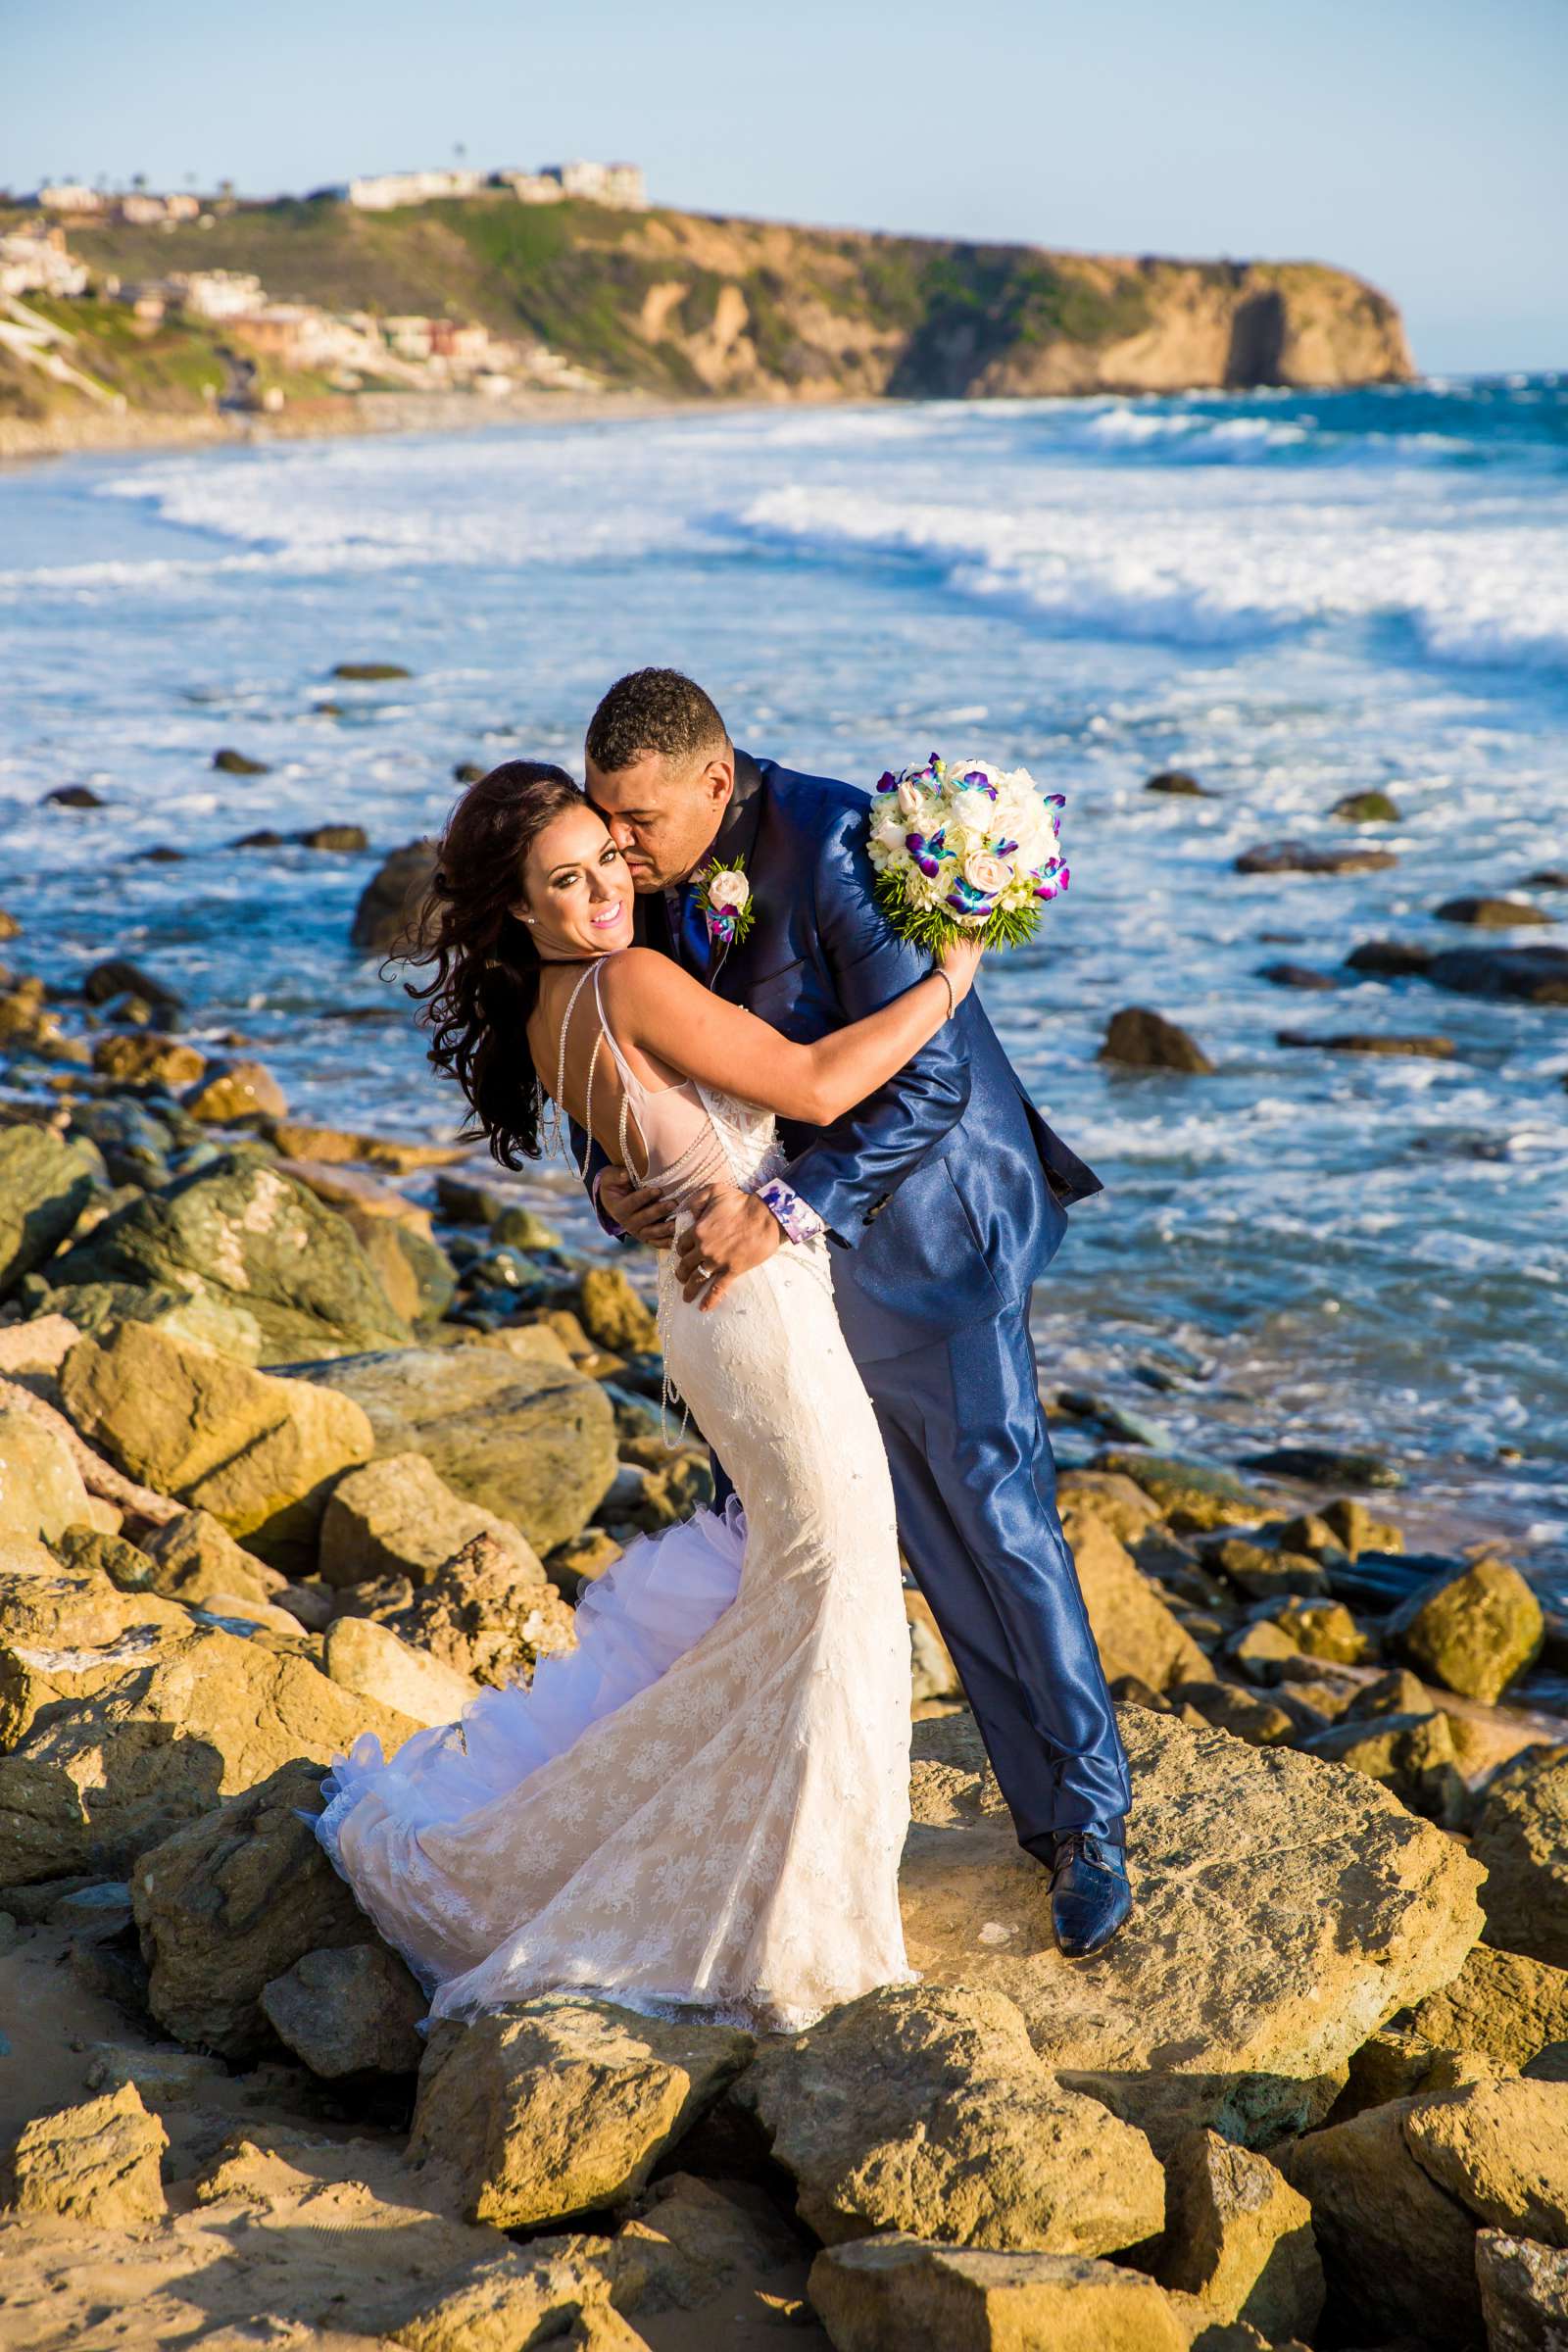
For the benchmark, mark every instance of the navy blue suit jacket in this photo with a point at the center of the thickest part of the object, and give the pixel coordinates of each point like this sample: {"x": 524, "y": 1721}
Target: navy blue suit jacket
{"x": 945, "y": 1192}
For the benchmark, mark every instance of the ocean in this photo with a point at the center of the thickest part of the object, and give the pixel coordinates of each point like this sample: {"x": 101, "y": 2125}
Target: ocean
{"x": 1292, "y": 596}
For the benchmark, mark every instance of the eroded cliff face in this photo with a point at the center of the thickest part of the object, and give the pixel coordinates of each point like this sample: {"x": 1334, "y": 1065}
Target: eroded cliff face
{"x": 796, "y": 314}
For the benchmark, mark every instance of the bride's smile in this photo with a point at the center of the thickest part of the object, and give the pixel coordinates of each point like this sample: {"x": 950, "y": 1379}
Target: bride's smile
{"x": 578, "y": 892}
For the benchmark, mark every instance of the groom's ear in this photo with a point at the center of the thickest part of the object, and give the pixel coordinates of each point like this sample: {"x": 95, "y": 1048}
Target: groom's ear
{"x": 718, "y": 778}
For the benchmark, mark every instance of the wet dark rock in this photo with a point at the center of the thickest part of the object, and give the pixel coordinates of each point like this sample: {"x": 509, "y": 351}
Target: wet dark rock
{"x": 468, "y": 771}
{"x": 1295, "y": 976}
{"x": 369, "y": 672}
{"x": 117, "y": 975}
{"x": 264, "y": 838}
{"x": 1359, "y": 1041}
{"x": 1144, "y": 1040}
{"x": 160, "y": 854}
{"x": 1491, "y": 915}
{"x": 1388, "y": 958}
{"x": 1177, "y": 780}
{"x": 230, "y": 763}
{"x": 1366, "y": 808}
{"x": 389, "y": 905}
{"x": 73, "y": 796}
{"x": 345, "y": 840}
{"x": 1549, "y": 877}
{"x": 469, "y": 1202}
{"x": 1533, "y": 975}
{"x": 1326, "y": 1466}
{"x": 1308, "y": 857}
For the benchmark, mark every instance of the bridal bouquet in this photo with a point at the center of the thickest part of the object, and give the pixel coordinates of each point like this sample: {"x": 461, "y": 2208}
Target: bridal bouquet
{"x": 964, "y": 846}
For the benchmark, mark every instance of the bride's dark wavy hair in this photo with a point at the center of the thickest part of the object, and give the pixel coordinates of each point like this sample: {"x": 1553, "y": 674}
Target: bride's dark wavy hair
{"x": 483, "y": 964}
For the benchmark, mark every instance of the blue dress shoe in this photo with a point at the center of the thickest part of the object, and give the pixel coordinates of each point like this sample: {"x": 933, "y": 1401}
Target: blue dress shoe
{"x": 1090, "y": 1896}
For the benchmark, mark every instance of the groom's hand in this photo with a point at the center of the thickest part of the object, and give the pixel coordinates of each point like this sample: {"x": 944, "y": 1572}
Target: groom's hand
{"x": 639, "y": 1210}
{"x": 730, "y": 1234}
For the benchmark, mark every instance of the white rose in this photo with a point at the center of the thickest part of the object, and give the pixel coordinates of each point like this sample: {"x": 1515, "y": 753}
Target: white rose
{"x": 888, "y": 835}
{"x": 729, "y": 891}
{"x": 910, "y": 798}
{"x": 986, "y": 873}
{"x": 976, "y": 810}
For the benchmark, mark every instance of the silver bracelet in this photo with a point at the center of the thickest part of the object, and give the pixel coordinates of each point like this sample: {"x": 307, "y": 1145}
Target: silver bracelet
{"x": 936, "y": 973}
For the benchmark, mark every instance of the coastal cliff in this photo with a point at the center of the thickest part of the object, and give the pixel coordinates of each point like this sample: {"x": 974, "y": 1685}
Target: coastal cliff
{"x": 677, "y": 305}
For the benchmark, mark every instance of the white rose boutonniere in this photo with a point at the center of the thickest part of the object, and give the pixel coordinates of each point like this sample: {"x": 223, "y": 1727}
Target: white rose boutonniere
{"x": 724, "y": 895}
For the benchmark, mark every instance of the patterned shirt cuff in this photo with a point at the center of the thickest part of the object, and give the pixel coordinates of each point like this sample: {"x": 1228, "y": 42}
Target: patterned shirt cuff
{"x": 798, "y": 1217}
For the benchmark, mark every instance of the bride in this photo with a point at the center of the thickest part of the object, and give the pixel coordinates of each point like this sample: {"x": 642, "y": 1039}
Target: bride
{"x": 703, "y": 1804}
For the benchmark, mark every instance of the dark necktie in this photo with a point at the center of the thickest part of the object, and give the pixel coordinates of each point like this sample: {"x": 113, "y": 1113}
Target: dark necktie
{"x": 688, "y": 929}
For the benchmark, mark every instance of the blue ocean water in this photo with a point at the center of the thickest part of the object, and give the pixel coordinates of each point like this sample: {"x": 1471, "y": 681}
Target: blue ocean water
{"x": 1293, "y": 596}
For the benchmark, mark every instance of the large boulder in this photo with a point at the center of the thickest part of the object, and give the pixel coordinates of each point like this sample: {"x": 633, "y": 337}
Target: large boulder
{"x": 41, "y": 1490}
{"x": 1502, "y": 2149}
{"x": 97, "y": 2163}
{"x": 559, "y": 2106}
{"x": 476, "y": 1619}
{"x": 195, "y": 1560}
{"x": 1524, "y": 2294}
{"x": 1535, "y": 975}
{"x": 1136, "y": 1630}
{"x": 260, "y": 1244}
{"x": 387, "y": 915}
{"x": 1240, "y": 2237}
{"x": 202, "y": 1318}
{"x": 532, "y": 1441}
{"x": 370, "y": 1659}
{"x": 1144, "y": 1040}
{"x": 1503, "y": 2006}
{"x": 902, "y": 2294}
{"x": 1399, "y": 2252}
{"x": 396, "y": 1517}
{"x": 925, "y": 2109}
{"x": 45, "y": 1184}
{"x": 124, "y": 1718}
{"x": 258, "y": 1453}
{"x": 1472, "y": 1629}
{"x": 230, "y": 1903}
{"x": 1521, "y": 1839}
{"x": 1283, "y": 1909}
{"x": 352, "y": 2009}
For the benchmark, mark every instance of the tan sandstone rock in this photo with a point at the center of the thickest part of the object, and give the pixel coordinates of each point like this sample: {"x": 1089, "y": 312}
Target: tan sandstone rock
{"x": 1136, "y": 1630}
{"x": 41, "y": 1492}
{"x": 396, "y": 1517}
{"x": 1521, "y": 1839}
{"x": 925, "y": 2110}
{"x": 258, "y": 1453}
{"x": 556, "y": 2107}
{"x": 532, "y": 1441}
{"x": 98, "y": 2162}
{"x": 1524, "y": 2294}
{"x": 370, "y": 1660}
{"x": 688, "y": 2239}
{"x": 1501, "y": 2148}
{"x": 1283, "y": 1909}
{"x": 555, "y": 2291}
{"x": 1239, "y": 2238}
{"x": 1472, "y": 1631}
{"x": 195, "y": 1557}
{"x": 1503, "y": 2005}
{"x": 1397, "y": 2250}
{"x": 140, "y": 1719}
{"x": 900, "y": 2295}
{"x": 230, "y": 1903}
{"x": 475, "y": 1617}
{"x": 613, "y": 1314}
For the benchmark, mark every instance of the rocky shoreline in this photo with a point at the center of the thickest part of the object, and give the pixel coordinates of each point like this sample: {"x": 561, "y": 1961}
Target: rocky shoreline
{"x": 304, "y": 1432}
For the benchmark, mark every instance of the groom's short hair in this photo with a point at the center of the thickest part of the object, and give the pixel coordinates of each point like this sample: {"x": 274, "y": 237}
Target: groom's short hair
{"x": 654, "y": 710}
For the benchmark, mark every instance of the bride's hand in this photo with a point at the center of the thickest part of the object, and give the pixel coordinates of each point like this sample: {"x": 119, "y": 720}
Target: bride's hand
{"x": 960, "y": 961}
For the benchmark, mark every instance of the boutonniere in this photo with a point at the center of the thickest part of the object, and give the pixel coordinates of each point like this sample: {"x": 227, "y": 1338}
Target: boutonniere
{"x": 725, "y": 896}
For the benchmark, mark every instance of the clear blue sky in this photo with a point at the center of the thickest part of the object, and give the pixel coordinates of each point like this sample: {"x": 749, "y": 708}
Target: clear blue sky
{"x": 1417, "y": 141}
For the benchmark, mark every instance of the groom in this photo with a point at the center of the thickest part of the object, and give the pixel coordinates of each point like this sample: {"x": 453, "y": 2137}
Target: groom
{"x": 943, "y": 1195}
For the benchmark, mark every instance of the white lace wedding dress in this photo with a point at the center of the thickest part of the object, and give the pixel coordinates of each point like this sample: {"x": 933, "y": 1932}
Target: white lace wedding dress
{"x": 703, "y": 1804}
